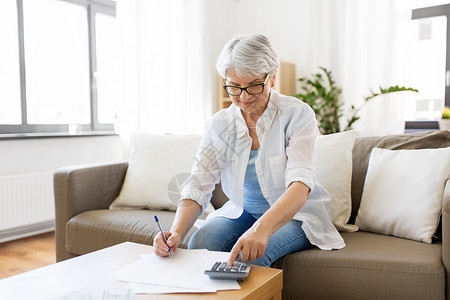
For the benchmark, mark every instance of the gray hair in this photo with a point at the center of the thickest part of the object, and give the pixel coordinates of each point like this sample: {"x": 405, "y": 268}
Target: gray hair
{"x": 248, "y": 55}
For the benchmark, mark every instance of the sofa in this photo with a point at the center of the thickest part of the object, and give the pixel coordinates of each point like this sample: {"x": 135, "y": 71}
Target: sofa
{"x": 371, "y": 266}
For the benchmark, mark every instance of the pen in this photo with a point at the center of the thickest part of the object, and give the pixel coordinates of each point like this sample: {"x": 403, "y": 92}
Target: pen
{"x": 163, "y": 235}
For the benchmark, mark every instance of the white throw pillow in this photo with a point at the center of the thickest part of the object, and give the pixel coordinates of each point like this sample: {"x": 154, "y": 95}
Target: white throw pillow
{"x": 403, "y": 192}
{"x": 158, "y": 168}
{"x": 334, "y": 173}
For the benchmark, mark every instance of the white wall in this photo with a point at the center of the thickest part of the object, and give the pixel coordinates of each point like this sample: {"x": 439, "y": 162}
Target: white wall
{"x": 48, "y": 154}
{"x": 221, "y": 24}
{"x": 284, "y": 22}
{"x": 305, "y": 32}
{"x": 38, "y": 158}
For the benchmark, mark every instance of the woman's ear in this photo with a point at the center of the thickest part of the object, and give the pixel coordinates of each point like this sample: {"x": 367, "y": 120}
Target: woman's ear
{"x": 273, "y": 79}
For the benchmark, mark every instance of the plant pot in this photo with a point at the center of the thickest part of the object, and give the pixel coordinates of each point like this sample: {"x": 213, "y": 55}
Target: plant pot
{"x": 444, "y": 124}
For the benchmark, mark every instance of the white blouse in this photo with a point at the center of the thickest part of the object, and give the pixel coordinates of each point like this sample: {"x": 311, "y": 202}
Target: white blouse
{"x": 286, "y": 131}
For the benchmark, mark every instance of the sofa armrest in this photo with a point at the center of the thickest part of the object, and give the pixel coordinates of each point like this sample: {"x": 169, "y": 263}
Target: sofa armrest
{"x": 82, "y": 188}
{"x": 446, "y": 236}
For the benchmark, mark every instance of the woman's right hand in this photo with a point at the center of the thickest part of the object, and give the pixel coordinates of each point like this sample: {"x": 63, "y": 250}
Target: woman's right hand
{"x": 161, "y": 249}
{"x": 187, "y": 213}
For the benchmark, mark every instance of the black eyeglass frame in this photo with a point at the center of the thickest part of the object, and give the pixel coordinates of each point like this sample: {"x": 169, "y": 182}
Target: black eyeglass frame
{"x": 245, "y": 88}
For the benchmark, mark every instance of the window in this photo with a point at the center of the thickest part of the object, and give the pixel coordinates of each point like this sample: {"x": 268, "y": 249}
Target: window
{"x": 430, "y": 68}
{"x": 427, "y": 68}
{"x": 9, "y": 65}
{"x": 58, "y": 64}
{"x": 107, "y": 68}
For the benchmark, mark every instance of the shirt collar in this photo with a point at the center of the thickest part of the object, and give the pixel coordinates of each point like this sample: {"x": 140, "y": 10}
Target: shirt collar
{"x": 269, "y": 114}
{"x": 241, "y": 126}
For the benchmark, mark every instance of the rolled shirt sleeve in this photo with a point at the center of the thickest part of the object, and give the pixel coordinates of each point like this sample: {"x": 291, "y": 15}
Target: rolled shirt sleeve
{"x": 301, "y": 151}
{"x": 205, "y": 173}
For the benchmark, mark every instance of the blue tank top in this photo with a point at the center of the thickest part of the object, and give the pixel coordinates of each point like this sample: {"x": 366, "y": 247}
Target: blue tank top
{"x": 254, "y": 201}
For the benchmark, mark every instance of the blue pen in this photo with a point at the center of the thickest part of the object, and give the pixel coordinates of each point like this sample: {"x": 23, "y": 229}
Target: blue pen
{"x": 163, "y": 235}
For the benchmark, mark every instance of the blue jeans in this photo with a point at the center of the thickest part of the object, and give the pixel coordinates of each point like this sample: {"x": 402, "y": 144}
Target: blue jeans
{"x": 220, "y": 234}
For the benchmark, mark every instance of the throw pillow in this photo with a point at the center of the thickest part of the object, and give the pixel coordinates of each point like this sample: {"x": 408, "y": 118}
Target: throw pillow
{"x": 403, "y": 192}
{"x": 334, "y": 173}
{"x": 158, "y": 168}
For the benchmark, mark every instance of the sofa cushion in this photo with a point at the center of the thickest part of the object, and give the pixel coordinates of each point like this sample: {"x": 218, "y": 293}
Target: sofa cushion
{"x": 364, "y": 145}
{"x": 98, "y": 229}
{"x": 334, "y": 173}
{"x": 157, "y": 171}
{"x": 370, "y": 266}
{"x": 403, "y": 192}
{"x": 218, "y": 198}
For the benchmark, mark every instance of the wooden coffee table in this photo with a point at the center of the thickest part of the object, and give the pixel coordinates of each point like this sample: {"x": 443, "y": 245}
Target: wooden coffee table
{"x": 75, "y": 274}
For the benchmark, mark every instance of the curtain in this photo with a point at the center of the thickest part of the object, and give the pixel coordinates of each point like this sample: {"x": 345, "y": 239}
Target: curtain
{"x": 375, "y": 38}
{"x": 364, "y": 44}
{"x": 166, "y": 82}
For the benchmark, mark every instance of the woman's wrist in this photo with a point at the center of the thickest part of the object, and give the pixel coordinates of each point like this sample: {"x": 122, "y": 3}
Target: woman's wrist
{"x": 174, "y": 232}
{"x": 284, "y": 208}
{"x": 187, "y": 212}
{"x": 263, "y": 226}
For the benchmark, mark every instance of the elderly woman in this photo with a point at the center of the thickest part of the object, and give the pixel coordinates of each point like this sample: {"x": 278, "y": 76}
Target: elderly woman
{"x": 262, "y": 150}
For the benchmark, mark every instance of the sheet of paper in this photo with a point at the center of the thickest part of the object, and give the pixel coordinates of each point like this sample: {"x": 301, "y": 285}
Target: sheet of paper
{"x": 141, "y": 288}
{"x": 184, "y": 270}
{"x": 211, "y": 286}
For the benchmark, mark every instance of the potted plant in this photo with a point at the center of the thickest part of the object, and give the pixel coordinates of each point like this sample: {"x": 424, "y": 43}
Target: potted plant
{"x": 444, "y": 122}
{"x": 321, "y": 93}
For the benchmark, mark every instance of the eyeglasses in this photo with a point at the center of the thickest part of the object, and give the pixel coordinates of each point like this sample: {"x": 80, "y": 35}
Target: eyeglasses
{"x": 253, "y": 89}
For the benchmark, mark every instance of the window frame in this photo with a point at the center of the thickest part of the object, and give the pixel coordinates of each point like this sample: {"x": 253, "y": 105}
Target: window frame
{"x": 429, "y": 12}
{"x": 93, "y": 7}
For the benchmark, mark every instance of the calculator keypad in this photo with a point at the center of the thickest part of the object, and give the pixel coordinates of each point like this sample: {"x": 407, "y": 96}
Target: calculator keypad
{"x": 221, "y": 270}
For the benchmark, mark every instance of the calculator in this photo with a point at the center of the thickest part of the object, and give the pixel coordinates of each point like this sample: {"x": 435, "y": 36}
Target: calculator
{"x": 221, "y": 270}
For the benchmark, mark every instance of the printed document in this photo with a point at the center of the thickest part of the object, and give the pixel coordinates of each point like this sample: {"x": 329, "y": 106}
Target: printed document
{"x": 182, "y": 273}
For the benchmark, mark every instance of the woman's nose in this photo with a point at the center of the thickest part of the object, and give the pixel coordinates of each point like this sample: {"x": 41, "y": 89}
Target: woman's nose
{"x": 244, "y": 95}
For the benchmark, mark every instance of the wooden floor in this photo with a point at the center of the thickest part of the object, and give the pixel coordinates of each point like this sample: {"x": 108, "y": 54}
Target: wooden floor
{"x": 27, "y": 254}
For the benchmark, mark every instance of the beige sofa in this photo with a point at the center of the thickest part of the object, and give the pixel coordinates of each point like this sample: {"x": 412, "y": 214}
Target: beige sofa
{"x": 371, "y": 266}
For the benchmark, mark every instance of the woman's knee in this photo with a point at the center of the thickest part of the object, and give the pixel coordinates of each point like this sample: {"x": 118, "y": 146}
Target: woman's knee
{"x": 201, "y": 239}
{"x": 220, "y": 234}
{"x": 290, "y": 238}
{"x": 208, "y": 237}
{"x": 266, "y": 260}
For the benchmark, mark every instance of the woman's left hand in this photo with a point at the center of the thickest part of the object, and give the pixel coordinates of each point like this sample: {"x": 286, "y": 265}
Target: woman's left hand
{"x": 252, "y": 243}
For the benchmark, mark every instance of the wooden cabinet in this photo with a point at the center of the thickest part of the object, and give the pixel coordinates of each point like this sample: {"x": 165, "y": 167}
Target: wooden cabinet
{"x": 224, "y": 98}
{"x": 285, "y": 84}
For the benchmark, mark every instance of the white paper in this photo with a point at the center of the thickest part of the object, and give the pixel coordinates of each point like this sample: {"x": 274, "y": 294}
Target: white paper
{"x": 141, "y": 288}
{"x": 182, "y": 273}
{"x": 211, "y": 287}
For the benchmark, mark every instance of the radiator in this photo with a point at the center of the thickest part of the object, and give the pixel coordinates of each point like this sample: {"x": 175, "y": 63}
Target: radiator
{"x": 26, "y": 205}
